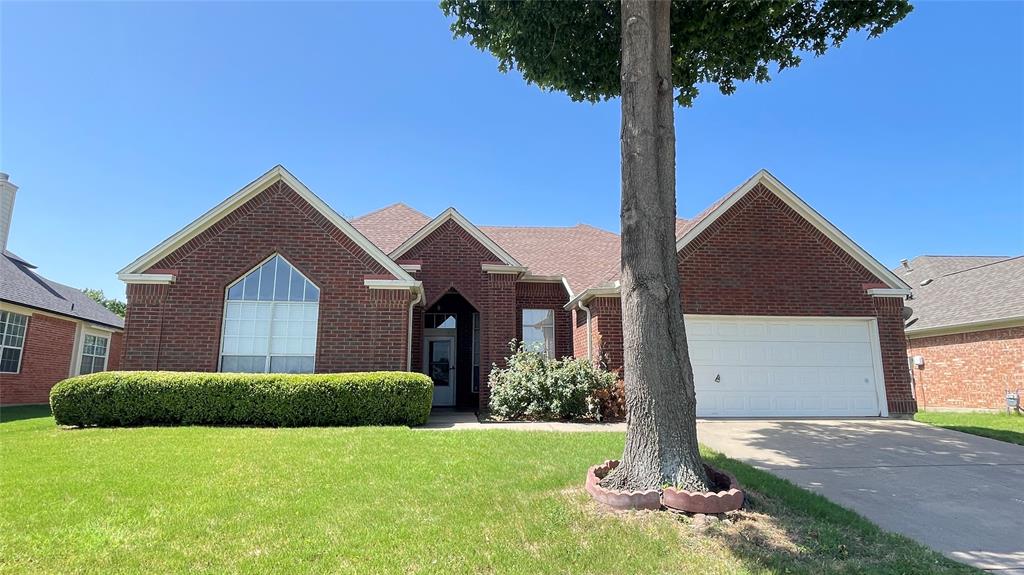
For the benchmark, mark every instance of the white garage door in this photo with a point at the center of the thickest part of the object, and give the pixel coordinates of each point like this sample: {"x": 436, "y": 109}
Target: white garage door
{"x": 763, "y": 367}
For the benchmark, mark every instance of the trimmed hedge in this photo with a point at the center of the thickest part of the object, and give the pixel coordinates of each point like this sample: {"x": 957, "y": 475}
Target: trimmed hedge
{"x": 127, "y": 398}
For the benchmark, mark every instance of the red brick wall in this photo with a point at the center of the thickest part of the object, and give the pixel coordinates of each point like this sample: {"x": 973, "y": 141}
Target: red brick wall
{"x": 114, "y": 353}
{"x": 450, "y": 259}
{"x": 534, "y": 295}
{"x": 606, "y": 323}
{"x": 46, "y": 359}
{"x": 762, "y": 258}
{"x": 178, "y": 326}
{"x": 968, "y": 370}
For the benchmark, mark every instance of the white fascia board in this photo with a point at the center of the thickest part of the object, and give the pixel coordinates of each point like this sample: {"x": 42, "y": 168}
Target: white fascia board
{"x": 591, "y": 293}
{"x": 807, "y": 212}
{"x": 475, "y": 232}
{"x": 502, "y": 269}
{"x": 146, "y": 278}
{"x": 393, "y": 284}
{"x": 224, "y": 208}
{"x": 973, "y": 326}
{"x": 888, "y": 292}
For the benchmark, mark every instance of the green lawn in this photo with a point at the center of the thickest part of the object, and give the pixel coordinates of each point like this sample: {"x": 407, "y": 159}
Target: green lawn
{"x": 1009, "y": 428}
{"x": 386, "y": 500}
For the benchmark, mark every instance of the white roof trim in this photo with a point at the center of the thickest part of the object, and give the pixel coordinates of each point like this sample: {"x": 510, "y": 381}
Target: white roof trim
{"x": 412, "y": 267}
{"x": 807, "y": 212}
{"x": 218, "y": 212}
{"x": 146, "y": 278}
{"x": 413, "y": 285}
{"x": 453, "y": 214}
{"x": 502, "y": 269}
{"x": 972, "y": 326}
{"x": 888, "y": 292}
{"x": 591, "y": 293}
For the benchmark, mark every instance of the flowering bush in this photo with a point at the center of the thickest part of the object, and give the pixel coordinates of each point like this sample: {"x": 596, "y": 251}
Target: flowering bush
{"x": 534, "y": 386}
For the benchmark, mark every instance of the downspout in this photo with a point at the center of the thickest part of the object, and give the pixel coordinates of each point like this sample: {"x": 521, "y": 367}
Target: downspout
{"x": 408, "y": 347}
{"x": 590, "y": 345}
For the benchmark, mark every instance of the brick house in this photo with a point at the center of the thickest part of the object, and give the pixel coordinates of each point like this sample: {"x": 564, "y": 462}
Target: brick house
{"x": 48, "y": 331}
{"x": 966, "y": 335}
{"x": 785, "y": 314}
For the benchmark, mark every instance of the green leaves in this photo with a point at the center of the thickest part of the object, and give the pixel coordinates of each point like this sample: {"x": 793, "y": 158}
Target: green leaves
{"x": 534, "y": 386}
{"x": 129, "y": 398}
{"x": 573, "y": 47}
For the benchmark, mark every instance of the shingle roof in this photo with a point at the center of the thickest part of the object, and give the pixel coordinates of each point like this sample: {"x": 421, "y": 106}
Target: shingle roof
{"x": 581, "y": 253}
{"x": 388, "y": 227}
{"x": 20, "y": 284}
{"x": 586, "y": 256}
{"x": 963, "y": 290}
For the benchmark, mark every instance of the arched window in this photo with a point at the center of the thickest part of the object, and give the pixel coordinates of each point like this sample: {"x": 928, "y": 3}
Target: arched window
{"x": 270, "y": 319}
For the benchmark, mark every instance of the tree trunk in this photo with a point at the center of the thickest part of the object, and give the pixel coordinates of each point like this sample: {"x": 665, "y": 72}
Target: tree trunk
{"x": 661, "y": 438}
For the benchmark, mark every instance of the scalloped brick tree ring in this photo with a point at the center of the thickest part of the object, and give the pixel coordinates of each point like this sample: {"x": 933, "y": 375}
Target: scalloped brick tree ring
{"x": 729, "y": 498}
{"x": 619, "y": 499}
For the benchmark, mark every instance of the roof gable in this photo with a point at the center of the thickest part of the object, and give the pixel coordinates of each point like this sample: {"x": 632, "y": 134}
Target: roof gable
{"x": 453, "y": 215}
{"x": 389, "y": 226}
{"x": 239, "y": 198}
{"x": 694, "y": 227}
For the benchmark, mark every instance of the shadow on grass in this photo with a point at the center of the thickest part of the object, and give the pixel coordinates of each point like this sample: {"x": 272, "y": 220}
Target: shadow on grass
{"x": 786, "y": 529}
{"x": 992, "y": 433}
{"x": 19, "y": 412}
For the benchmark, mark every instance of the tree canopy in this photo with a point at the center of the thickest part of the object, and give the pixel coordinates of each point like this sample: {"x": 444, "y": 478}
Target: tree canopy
{"x": 115, "y": 305}
{"x": 574, "y": 47}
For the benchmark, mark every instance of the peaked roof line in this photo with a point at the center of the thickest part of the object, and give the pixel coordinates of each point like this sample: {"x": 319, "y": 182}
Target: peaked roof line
{"x": 388, "y": 207}
{"x": 252, "y": 189}
{"x": 473, "y": 230}
{"x": 774, "y": 185}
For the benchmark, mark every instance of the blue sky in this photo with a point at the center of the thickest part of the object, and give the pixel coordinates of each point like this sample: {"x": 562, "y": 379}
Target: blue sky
{"x": 124, "y": 122}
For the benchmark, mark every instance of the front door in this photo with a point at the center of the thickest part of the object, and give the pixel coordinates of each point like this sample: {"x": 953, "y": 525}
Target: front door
{"x": 439, "y": 359}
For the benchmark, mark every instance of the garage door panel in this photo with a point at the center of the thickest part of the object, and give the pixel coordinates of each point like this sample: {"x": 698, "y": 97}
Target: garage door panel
{"x": 783, "y": 367}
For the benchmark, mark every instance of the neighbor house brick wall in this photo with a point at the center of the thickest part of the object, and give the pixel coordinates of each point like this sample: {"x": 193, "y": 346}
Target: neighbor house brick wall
{"x": 761, "y": 257}
{"x": 547, "y": 295}
{"x": 46, "y": 359}
{"x": 450, "y": 259}
{"x": 114, "y": 353}
{"x": 966, "y": 371}
{"x": 178, "y": 326}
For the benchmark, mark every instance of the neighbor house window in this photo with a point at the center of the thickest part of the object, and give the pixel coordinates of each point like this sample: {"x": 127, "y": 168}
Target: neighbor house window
{"x": 270, "y": 321}
{"x": 94, "y": 354}
{"x": 12, "y": 340}
{"x": 539, "y": 330}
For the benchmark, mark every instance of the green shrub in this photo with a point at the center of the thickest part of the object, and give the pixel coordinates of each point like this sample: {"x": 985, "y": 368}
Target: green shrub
{"x": 126, "y": 398}
{"x": 534, "y": 386}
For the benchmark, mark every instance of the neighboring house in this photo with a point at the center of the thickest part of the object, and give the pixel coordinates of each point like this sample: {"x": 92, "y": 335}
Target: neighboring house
{"x": 786, "y": 315}
{"x": 966, "y": 334}
{"x": 48, "y": 331}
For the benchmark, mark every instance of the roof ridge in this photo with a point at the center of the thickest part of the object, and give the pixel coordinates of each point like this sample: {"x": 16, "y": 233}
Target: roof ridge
{"x": 1009, "y": 259}
{"x": 387, "y": 207}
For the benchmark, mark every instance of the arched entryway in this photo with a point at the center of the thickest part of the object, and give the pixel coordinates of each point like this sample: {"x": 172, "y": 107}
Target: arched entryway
{"x": 451, "y": 351}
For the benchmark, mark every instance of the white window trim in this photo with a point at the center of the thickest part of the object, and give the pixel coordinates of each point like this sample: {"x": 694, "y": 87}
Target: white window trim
{"x": 267, "y": 357}
{"x": 554, "y": 324}
{"x": 80, "y": 348}
{"x": 21, "y": 356}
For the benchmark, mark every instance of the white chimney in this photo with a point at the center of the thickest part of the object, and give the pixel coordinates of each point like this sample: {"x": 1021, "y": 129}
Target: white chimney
{"x": 7, "y": 192}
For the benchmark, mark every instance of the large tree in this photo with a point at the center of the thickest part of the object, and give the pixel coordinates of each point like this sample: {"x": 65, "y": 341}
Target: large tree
{"x": 653, "y": 54}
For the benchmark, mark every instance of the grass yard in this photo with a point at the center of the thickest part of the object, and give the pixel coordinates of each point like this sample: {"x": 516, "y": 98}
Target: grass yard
{"x": 386, "y": 500}
{"x": 1009, "y": 428}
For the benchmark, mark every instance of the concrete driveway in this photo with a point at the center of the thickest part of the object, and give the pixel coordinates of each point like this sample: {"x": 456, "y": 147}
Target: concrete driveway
{"x": 959, "y": 494}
